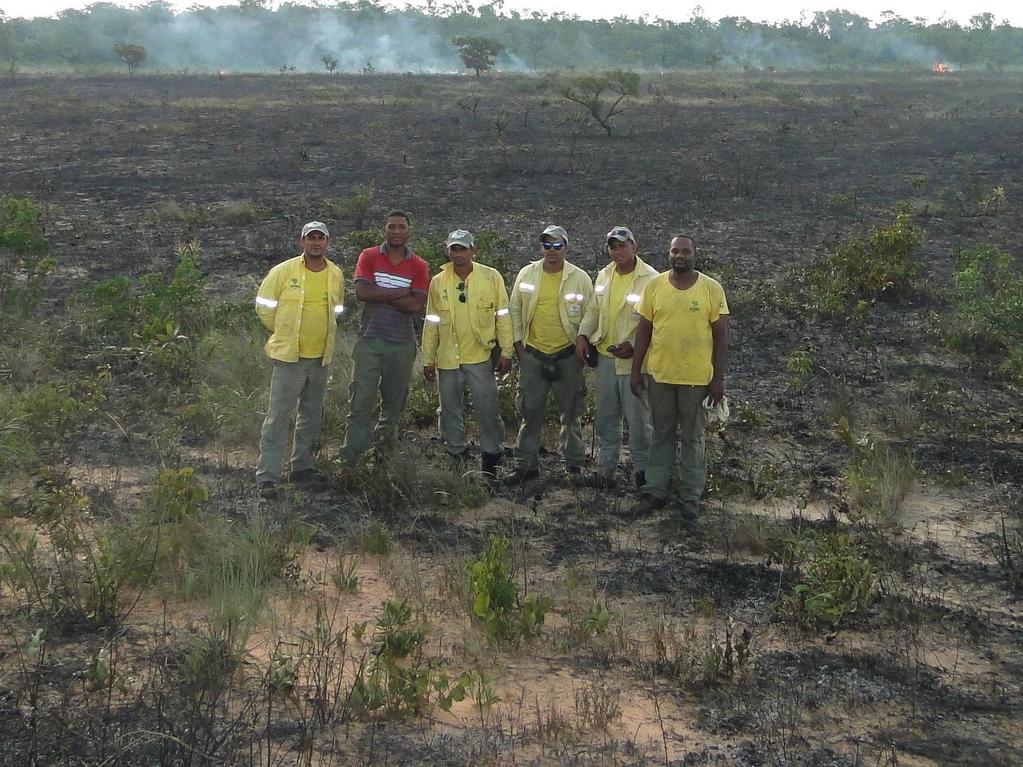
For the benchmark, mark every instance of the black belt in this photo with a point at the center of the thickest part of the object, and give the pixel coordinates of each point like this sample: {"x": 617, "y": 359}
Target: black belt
{"x": 568, "y": 351}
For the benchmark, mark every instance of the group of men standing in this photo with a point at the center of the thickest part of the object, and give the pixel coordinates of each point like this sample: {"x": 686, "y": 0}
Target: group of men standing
{"x": 658, "y": 342}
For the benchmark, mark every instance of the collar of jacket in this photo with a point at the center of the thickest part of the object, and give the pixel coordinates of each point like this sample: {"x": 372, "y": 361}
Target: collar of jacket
{"x": 642, "y": 269}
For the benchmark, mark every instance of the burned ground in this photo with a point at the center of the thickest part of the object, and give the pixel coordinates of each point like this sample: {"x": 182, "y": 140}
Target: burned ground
{"x": 637, "y": 662}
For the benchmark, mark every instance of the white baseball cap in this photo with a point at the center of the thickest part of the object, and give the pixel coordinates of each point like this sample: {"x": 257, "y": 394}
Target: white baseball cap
{"x": 622, "y": 233}
{"x": 459, "y": 237}
{"x": 315, "y": 226}
{"x": 556, "y": 232}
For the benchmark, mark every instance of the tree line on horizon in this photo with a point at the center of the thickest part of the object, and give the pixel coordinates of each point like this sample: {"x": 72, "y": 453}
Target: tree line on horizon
{"x": 368, "y": 37}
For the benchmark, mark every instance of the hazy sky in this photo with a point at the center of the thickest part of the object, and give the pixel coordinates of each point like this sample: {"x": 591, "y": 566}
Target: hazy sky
{"x": 933, "y": 10}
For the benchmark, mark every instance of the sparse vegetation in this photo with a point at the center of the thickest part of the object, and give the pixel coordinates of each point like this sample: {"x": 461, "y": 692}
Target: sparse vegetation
{"x": 155, "y": 610}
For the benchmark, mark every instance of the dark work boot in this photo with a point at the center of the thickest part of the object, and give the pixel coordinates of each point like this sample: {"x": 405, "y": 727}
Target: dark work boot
{"x": 489, "y": 463}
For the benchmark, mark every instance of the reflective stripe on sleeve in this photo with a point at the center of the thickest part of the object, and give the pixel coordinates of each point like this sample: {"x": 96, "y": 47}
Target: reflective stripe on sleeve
{"x": 338, "y": 308}
{"x": 502, "y": 312}
{"x": 269, "y": 303}
{"x": 574, "y": 296}
{"x": 527, "y": 286}
{"x": 435, "y": 319}
{"x": 632, "y": 298}
{"x": 600, "y": 288}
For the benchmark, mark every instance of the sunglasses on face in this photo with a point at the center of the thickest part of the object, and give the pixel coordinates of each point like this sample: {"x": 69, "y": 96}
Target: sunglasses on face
{"x": 553, "y": 245}
{"x": 461, "y": 292}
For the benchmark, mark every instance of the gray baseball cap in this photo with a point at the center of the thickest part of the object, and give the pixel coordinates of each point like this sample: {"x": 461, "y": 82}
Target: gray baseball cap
{"x": 315, "y": 226}
{"x": 459, "y": 237}
{"x": 555, "y": 231}
{"x": 622, "y": 233}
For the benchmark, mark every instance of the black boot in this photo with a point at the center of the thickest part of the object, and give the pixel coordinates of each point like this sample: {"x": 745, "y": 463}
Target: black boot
{"x": 490, "y": 462}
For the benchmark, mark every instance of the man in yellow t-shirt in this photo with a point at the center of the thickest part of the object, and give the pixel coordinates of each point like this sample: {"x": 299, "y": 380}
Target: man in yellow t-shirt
{"x": 548, "y": 301}
{"x": 468, "y": 324}
{"x": 683, "y": 338}
{"x": 299, "y": 302}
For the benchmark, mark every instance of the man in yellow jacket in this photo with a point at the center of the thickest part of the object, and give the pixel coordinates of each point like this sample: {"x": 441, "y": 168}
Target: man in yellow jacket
{"x": 547, "y": 304}
{"x": 299, "y": 302}
{"x": 610, "y": 325}
{"x": 467, "y": 320}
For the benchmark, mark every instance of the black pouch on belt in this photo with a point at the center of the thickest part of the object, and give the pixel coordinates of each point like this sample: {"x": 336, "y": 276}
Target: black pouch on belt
{"x": 549, "y": 362}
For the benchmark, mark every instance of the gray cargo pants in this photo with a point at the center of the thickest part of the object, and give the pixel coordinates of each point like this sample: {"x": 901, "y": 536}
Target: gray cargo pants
{"x": 615, "y": 399}
{"x": 677, "y": 410}
{"x": 482, "y": 386}
{"x": 302, "y": 383}
{"x": 383, "y": 367}
{"x": 531, "y": 401}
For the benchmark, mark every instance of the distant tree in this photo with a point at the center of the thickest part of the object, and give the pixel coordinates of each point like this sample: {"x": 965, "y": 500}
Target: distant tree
{"x": 329, "y": 62}
{"x": 478, "y": 53}
{"x": 132, "y": 55}
{"x": 602, "y": 96}
{"x": 9, "y": 43}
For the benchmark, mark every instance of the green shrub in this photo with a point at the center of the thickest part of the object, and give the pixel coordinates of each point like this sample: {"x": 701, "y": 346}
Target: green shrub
{"x": 421, "y": 406}
{"x": 987, "y": 320}
{"x": 495, "y": 251}
{"x": 357, "y": 207}
{"x": 800, "y": 370}
{"x": 431, "y": 249}
{"x": 376, "y": 540}
{"x": 177, "y": 495}
{"x": 495, "y": 599}
{"x": 39, "y": 423}
{"x": 21, "y": 288}
{"x": 20, "y": 228}
{"x": 835, "y": 580}
{"x": 239, "y": 213}
{"x": 158, "y": 309}
{"x": 75, "y": 575}
{"x": 397, "y": 678}
{"x": 880, "y": 266}
{"x": 358, "y": 241}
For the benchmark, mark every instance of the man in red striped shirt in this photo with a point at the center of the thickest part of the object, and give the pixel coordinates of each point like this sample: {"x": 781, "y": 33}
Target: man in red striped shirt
{"x": 391, "y": 283}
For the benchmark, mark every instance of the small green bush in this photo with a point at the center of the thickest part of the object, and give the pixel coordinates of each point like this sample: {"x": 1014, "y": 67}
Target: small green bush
{"x": 835, "y": 580}
{"x": 77, "y": 576}
{"x": 987, "y": 319}
{"x": 20, "y": 228}
{"x": 39, "y": 423}
{"x": 880, "y": 266}
{"x": 358, "y": 241}
{"x": 431, "y": 249}
{"x": 421, "y": 406}
{"x": 357, "y": 207}
{"x": 495, "y": 251}
{"x": 397, "y": 678}
{"x": 157, "y": 308}
{"x": 495, "y": 599}
{"x": 376, "y": 540}
{"x": 177, "y": 495}
{"x": 239, "y": 212}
